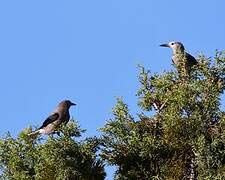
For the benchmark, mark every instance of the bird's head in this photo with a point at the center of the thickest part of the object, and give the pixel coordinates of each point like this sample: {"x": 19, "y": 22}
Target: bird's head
{"x": 66, "y": 103}
{"x": 175, "y": 46}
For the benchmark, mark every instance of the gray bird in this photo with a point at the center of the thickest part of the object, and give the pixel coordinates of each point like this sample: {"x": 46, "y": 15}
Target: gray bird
{"x": 57, "y": 117}
{"x": 180, "y": 56}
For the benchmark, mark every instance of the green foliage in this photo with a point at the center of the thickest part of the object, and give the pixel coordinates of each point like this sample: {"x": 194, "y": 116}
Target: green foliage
{"x": 60, "y": 157}
{"x": 185, "y": 136}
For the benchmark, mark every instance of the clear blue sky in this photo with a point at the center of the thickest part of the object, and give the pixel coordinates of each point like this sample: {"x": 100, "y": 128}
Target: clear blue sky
{"x": 88, "y": 52}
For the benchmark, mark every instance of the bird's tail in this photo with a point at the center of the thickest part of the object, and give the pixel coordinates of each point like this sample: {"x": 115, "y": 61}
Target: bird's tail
{"x": 35, "y": 133}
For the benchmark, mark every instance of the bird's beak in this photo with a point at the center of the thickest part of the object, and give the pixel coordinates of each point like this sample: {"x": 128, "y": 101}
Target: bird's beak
{"x": 73, "y": 104}
{"x": 164, "y": 45}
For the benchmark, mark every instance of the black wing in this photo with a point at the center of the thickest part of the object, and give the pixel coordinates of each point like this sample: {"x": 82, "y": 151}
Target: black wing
{"x": 191, "y": 59}
{"x": 50, "y": 119}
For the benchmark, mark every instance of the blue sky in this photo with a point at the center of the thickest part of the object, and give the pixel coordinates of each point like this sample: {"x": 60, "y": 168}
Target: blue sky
{"x": 88, "y": 52}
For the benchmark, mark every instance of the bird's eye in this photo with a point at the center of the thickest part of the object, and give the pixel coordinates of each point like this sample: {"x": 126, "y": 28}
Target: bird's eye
{"x": 172, "y": 43}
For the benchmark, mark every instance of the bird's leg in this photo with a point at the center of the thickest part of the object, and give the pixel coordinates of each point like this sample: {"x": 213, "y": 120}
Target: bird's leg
{"x": 155, "y": 106}
{"x": 159, "y": 105}
{"x": 162, "y": 106}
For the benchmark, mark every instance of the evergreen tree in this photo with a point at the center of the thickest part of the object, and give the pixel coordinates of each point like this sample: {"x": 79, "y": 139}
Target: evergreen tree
{"x": 61, "y": 157}
{"x": 184, "y": 138}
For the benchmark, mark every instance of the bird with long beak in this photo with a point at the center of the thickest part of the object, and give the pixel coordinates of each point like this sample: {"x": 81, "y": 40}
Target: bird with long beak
{"x": 180, "y": 55}
{"x": 58, "y": 116}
